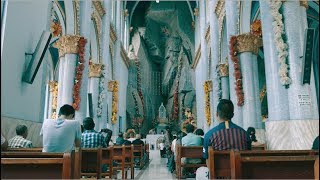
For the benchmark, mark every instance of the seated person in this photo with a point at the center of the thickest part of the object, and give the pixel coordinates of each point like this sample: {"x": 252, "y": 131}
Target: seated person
{"x": 137, "y": 141}
{"x": 200, "y": 133}
{"x": 62, "y": 134}
{"x": 91, "y": 138}
{"x": 107, "y": 134}
{"x": 20, "y": 141}
{"x": 315, "y": 145}
{"x": 120, "y": 139}
{"x": 191, "y": 140}
{"x": 4, "y": 143}
{"x": 252, "y": 134}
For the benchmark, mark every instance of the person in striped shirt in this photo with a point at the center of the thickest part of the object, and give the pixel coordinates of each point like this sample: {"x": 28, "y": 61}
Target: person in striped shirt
{"x": 91, "y": 138}
{"x": 20, "y": 141}
{"x": 226, "y": 135}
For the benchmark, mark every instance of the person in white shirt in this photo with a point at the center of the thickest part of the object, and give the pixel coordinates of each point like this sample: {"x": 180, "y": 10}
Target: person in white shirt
{"x": 62, "y": 134}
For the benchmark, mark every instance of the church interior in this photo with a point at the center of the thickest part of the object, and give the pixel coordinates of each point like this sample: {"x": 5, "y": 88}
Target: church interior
{"x": 154, "y": 66}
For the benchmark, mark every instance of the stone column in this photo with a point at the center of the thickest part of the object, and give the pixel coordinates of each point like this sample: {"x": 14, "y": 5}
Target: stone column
{"x": 224, "y": 75}
{"x": 214, "y": 44}
{"x": 304, "y": 117}
{"x": 68, "y": 48}
{"x": 105, "y": 41}
{"x": 232, "y": 15}
{"x": 85, "y": 22}
{"x": 248, "y": 47}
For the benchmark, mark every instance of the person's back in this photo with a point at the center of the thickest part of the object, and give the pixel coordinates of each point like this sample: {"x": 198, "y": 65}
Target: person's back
{"x": 191, "y": 139}
{"x": 60, "y": 135}
{"x": 226, "y": 135}
{"x": 138, "y": 140}
{"x": 20, "y": 141}
{"x": 91, "y": 138}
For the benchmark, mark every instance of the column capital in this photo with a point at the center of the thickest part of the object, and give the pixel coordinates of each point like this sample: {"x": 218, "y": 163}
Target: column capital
{"x": 224, "y": 69}
{"x": 248, "y": 42}
{"x": 67, "y": 44}
{"x": 95, "y": 70}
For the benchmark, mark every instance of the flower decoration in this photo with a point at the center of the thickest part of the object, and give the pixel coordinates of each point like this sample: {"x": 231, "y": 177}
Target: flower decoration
{"x": 256, "y": 28}
{"x": 56, "y": 29}
{"x": 138, "y": 119}
{"x": 207, "y": 86}
{"x": 54, "y": 90}
{"x": 79, "y": 72}
{"x": 102, "y": 94}
{"x": 137, "y": 62}
{"x": 114, "y": 102}
{"x": 278, "y": 29}
{"x": 237, "y": 71}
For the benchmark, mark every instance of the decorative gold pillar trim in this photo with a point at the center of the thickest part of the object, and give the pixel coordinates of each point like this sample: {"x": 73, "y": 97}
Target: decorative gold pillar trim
{"x": 113, "y": 34}
{"x": 99, "y": 7}
{"x": 219, "y": 7}
{"x": 124, "y": 56}
{"x": 95, "y": 70}
{"x": 197, "y": 58}
{"x": 224, "y": 69}
{"x": 96, "y": 20}
{"x": 263, "y": 92}
{"x": 208, "y": 34}
{"x": 248, "y": 43}
{"x": 54, "y": 90}
{"x": 304, "y": 3}
{"x": 196, "y": 12}
{"x": 67, "y": 44}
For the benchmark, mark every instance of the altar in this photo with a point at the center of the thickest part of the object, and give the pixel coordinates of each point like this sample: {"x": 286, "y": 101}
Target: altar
{"x": 153, "y": 141}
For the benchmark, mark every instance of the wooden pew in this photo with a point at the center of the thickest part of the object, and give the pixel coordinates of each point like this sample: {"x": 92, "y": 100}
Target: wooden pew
{"x": 138, "y": 152}
{"x": 219, "y": 164}
{"x": 107, "y": 159}
{"x": 147, "y": 150}
{"x": 283, "y": 164}
{"x": 316, "y": 168}
{"x": 187, "y": 152}
{"x": 38, "y": 149}
{"x": 35, "y": 165}
{"x": 259, "y": 147}
{"x": 124, "y": 156}
{"x": 90, "y": 162}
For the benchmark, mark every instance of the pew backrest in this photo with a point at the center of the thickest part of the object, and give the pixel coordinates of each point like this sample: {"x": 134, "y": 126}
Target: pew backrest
{"x": 316, "y": 168}
{"x": 35, "y": 165}
{"x": 286, "y": 164}
{"x": 219, "y": 164}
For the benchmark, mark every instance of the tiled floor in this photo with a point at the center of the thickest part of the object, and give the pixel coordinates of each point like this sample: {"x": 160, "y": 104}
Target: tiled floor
{"x": 157, "y": 168}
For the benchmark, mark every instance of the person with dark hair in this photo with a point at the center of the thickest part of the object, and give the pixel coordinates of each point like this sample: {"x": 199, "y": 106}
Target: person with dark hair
{"x": 120, "y": 139}
{"x": 107, "y": 134}
{"x": 315, "y": 144}
{"x": 200, "y": 133}
{"x": 20, "y": 141}
{"x": 252, "y": 134}
{"x": 91, "y": 138}
{"x": 226, "y": 135}
{"x": 61, "y": 134}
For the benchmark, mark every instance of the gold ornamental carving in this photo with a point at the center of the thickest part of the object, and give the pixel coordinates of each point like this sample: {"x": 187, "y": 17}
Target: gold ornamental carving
{"x": 219, "y": 7}
{"x": 197, "y": 58}
{"x": 99, "y": 7}
{"x": 97, "y": 21}
{"x": 113, "y": 34}
{"x": 124, "y": 56}
{"x": 248, "y": 43}
{"x": 95, "y": 70}
{"x": 208, "y": 34}
{"x": 67, "y": 44}
{"x": 304, "y": 3}
{"x": 196, "y": 12}
{"x": 54, "y": 90}
{"x": 224, "y": 69}
{"x": 112, "y": 85}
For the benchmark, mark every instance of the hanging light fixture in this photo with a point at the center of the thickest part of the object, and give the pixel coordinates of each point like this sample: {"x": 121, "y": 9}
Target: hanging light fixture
{"x": 157, "y": 1}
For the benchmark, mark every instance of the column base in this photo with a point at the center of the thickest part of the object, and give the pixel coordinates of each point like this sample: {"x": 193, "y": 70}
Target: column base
{"x": 291, "y": 134}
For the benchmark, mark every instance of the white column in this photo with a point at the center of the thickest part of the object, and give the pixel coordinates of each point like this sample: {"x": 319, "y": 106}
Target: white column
{"x": 232, "y": 14}
{"x": 68, "y": 79}
{"x": 60, "y": 83}
{"x": 85, "y": 22}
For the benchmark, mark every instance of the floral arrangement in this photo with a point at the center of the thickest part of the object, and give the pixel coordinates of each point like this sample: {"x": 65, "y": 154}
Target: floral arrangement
{"x": 237, "y": 71}
{"x": 207, "y": 86}
{"x": 256, "y": 28}
{"x": 114, "y": 102}
{"x": 138, "y": 119}
{"x": 278, "y": 29}
{"x": 137, "y": 62}
{"x": 79, "y": 72}
{"x": 55, "y": 29}
{"x": 176, "y": 103}
{"x": 101, "y": 94}
{"x": 54, "y": 90}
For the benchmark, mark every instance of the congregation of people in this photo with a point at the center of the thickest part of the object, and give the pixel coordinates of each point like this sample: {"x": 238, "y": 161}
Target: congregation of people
{"x": 65, "y": 134}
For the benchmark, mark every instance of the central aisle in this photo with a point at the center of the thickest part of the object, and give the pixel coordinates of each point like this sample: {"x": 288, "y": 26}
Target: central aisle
{"x": 157, "y": 168}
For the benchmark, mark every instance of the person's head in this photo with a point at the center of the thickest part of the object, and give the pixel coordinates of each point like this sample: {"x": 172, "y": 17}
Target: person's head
{"x": 189, "y": 128}
{"x": 22, "y": 130}
{"x": 88, "y": 123}
{"x": 251, "y": 130}
{"x": 66, "y": 112}
{"x": 138, "y": 136}
{"x": 199, "y": 132}
{"x": 225, "y": 110}
{"x": 120, "y": 135}
{"x": 132, "y": 135}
